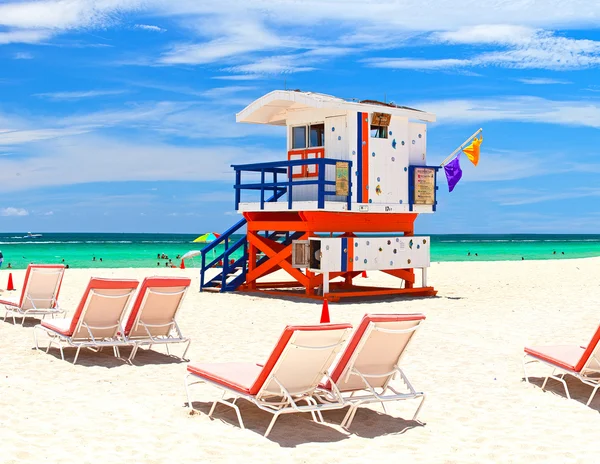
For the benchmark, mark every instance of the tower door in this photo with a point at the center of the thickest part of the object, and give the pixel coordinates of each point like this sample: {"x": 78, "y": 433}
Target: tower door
{"x": 336, "y": 137}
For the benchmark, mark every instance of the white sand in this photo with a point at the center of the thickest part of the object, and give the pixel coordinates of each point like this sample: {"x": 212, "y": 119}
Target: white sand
{"x": 467, "y": 358}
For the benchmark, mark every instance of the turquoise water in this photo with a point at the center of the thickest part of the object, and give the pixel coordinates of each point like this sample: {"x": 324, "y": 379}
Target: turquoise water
{"x": 140, "y": 250}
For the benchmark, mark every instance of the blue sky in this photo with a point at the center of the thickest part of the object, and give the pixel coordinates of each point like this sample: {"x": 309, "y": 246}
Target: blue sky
{"x": 119, "y": 115}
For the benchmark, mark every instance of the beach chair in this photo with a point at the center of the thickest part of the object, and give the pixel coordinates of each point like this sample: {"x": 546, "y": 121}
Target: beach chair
{"x": 582, "y": 362}
{"x": 151, "y": 320}
{"x": 39, "y": 296}
{"x": 370, "y": 362}
{"x": 97, "y": 321}
{"x": 287, "y": 380}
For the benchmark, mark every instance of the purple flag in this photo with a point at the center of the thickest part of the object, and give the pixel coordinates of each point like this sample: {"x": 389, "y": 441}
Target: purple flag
{"x": 453, "y": 173}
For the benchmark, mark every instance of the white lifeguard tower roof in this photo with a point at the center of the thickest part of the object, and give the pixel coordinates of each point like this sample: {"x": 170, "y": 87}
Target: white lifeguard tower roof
{"x": 273, "y": 108}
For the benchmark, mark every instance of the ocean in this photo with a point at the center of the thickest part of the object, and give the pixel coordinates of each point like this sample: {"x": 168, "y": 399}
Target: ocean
{"x": 78, "y": 250}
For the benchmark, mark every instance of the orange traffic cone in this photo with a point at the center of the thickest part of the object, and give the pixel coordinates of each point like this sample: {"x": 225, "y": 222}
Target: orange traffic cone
{"x": 182, "y": 265}
{"x": 325, "y": 313}
{"x": 10, "y": 286}
{"x": 364, "y": 274}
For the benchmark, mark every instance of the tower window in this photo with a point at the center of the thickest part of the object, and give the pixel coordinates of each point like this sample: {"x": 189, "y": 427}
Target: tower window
{"x": 317, "y": 135}
{"x": 379, "y": 132}
{"x": 298, "y": 137}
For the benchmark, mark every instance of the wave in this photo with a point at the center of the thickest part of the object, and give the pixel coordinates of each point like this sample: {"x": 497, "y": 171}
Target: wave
{"x": 484, "y": 241}
{"x": 101, "y": 241}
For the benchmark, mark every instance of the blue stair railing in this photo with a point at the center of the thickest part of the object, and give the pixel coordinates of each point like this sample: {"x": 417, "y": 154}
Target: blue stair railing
{"x": 231, "y": 267}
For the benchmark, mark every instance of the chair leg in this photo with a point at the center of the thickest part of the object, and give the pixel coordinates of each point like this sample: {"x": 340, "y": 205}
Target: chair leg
{"x": 419, "y": 408}
{"x": 275, "y": 416}
{"x": 133, "y": 352}
{"x": 187, "y": 390}
{"x": 561, "y": 380}
{"x": 212, "y": 408}
{"x": 35, "y": 339}
{"x": 350, "y": 416}
{"x": 593, "y": 394}
{"x": 315, "y": 414}
{"x": 384, "y": 408}
{"x": 186, "y": 350}
{"x": 525, "y": 369}
{"x": 546, "y": 380}
{"x": 231, "y": 405}
{"x": 76, "y": 355}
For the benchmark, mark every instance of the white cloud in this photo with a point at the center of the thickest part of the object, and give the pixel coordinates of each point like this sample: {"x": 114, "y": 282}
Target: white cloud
{"x": 186, "y": 119}
{"x": 13, "y": 137}
{"x": 272, "y": 65}
{"x": 240, "y": 77}
{"x": 150, "y": 27}
{"x": 79, "y": 95}
{"x": 10, "y": 211}
{"x": 49, "y": 213}
{"x": 542, "y": 81}
{"x": 90, "y": 158}
{"x": 23, "y": 56}
{"x": 518, "y": 108}
{"x": 23, "y": 36}
{"x": 63, "y": 14}
{"x": 487, "y": 34}
{"x": 236, "y": 36}
{"x": 409, "y": 63}
{"x": 523, "y": 48}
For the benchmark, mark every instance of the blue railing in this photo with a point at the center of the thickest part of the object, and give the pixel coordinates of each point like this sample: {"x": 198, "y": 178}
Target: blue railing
{"x": 225, "y": 257}
{"x": 280, "y": 187}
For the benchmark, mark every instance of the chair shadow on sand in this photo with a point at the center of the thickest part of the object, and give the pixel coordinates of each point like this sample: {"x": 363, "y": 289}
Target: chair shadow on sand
{"x": 106, "y": 358}
{"x": 579, "y": 391}
{"x": 28, "y": 323}
{"x": 292, "y": 430}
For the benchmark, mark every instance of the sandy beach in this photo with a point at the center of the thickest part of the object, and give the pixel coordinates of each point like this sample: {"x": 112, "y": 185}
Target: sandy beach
{"x": 467, "y": 358}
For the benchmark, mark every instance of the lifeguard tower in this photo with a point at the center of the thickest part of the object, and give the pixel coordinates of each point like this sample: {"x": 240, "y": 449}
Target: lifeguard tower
{"x": 343, "y": 199}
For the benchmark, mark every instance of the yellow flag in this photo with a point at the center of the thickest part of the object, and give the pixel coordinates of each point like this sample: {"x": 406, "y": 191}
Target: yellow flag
{"x": 472, "y": 151}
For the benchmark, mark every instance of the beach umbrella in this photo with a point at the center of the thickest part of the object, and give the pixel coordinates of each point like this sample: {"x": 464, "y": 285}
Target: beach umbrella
{"x": 207, "y": 238}
{"x": 191, "y": 254}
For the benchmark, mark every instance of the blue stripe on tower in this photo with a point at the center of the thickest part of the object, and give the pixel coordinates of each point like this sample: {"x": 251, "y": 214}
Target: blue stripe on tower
{"x": 359, "y": 190}
{"x": 344, "y": 254}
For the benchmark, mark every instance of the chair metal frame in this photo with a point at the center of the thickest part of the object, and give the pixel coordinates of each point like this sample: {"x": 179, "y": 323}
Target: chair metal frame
{"x": 162, "y": 340}
{"x": 371, "y": 395}
{"x": 91, "y": 343}
{"x": 277, "y": 402}
{"x": 15, "y": 310}
{"x": 581, "y": 375}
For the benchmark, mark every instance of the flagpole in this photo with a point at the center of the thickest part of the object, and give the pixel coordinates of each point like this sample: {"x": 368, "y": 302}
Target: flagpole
{"x": 460, "y": 148}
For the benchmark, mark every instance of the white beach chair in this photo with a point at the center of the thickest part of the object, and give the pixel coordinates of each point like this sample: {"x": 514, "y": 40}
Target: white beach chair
{"x": 39, "y": 296}
{"x": 295, "y": 367}
{"x": 370, "y": 362}
{"x": 582, "y": 362}
{"x": 151, "y": 320}
{"x": 97, "y": 321}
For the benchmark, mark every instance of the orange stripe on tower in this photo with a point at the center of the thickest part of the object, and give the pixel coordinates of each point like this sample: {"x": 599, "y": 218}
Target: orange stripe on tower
{"x": 365, "y": 157}
{"x": 350, "y": 266}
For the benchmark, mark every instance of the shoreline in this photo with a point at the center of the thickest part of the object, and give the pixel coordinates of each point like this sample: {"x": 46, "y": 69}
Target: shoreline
{"x": 171, "y": 269}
